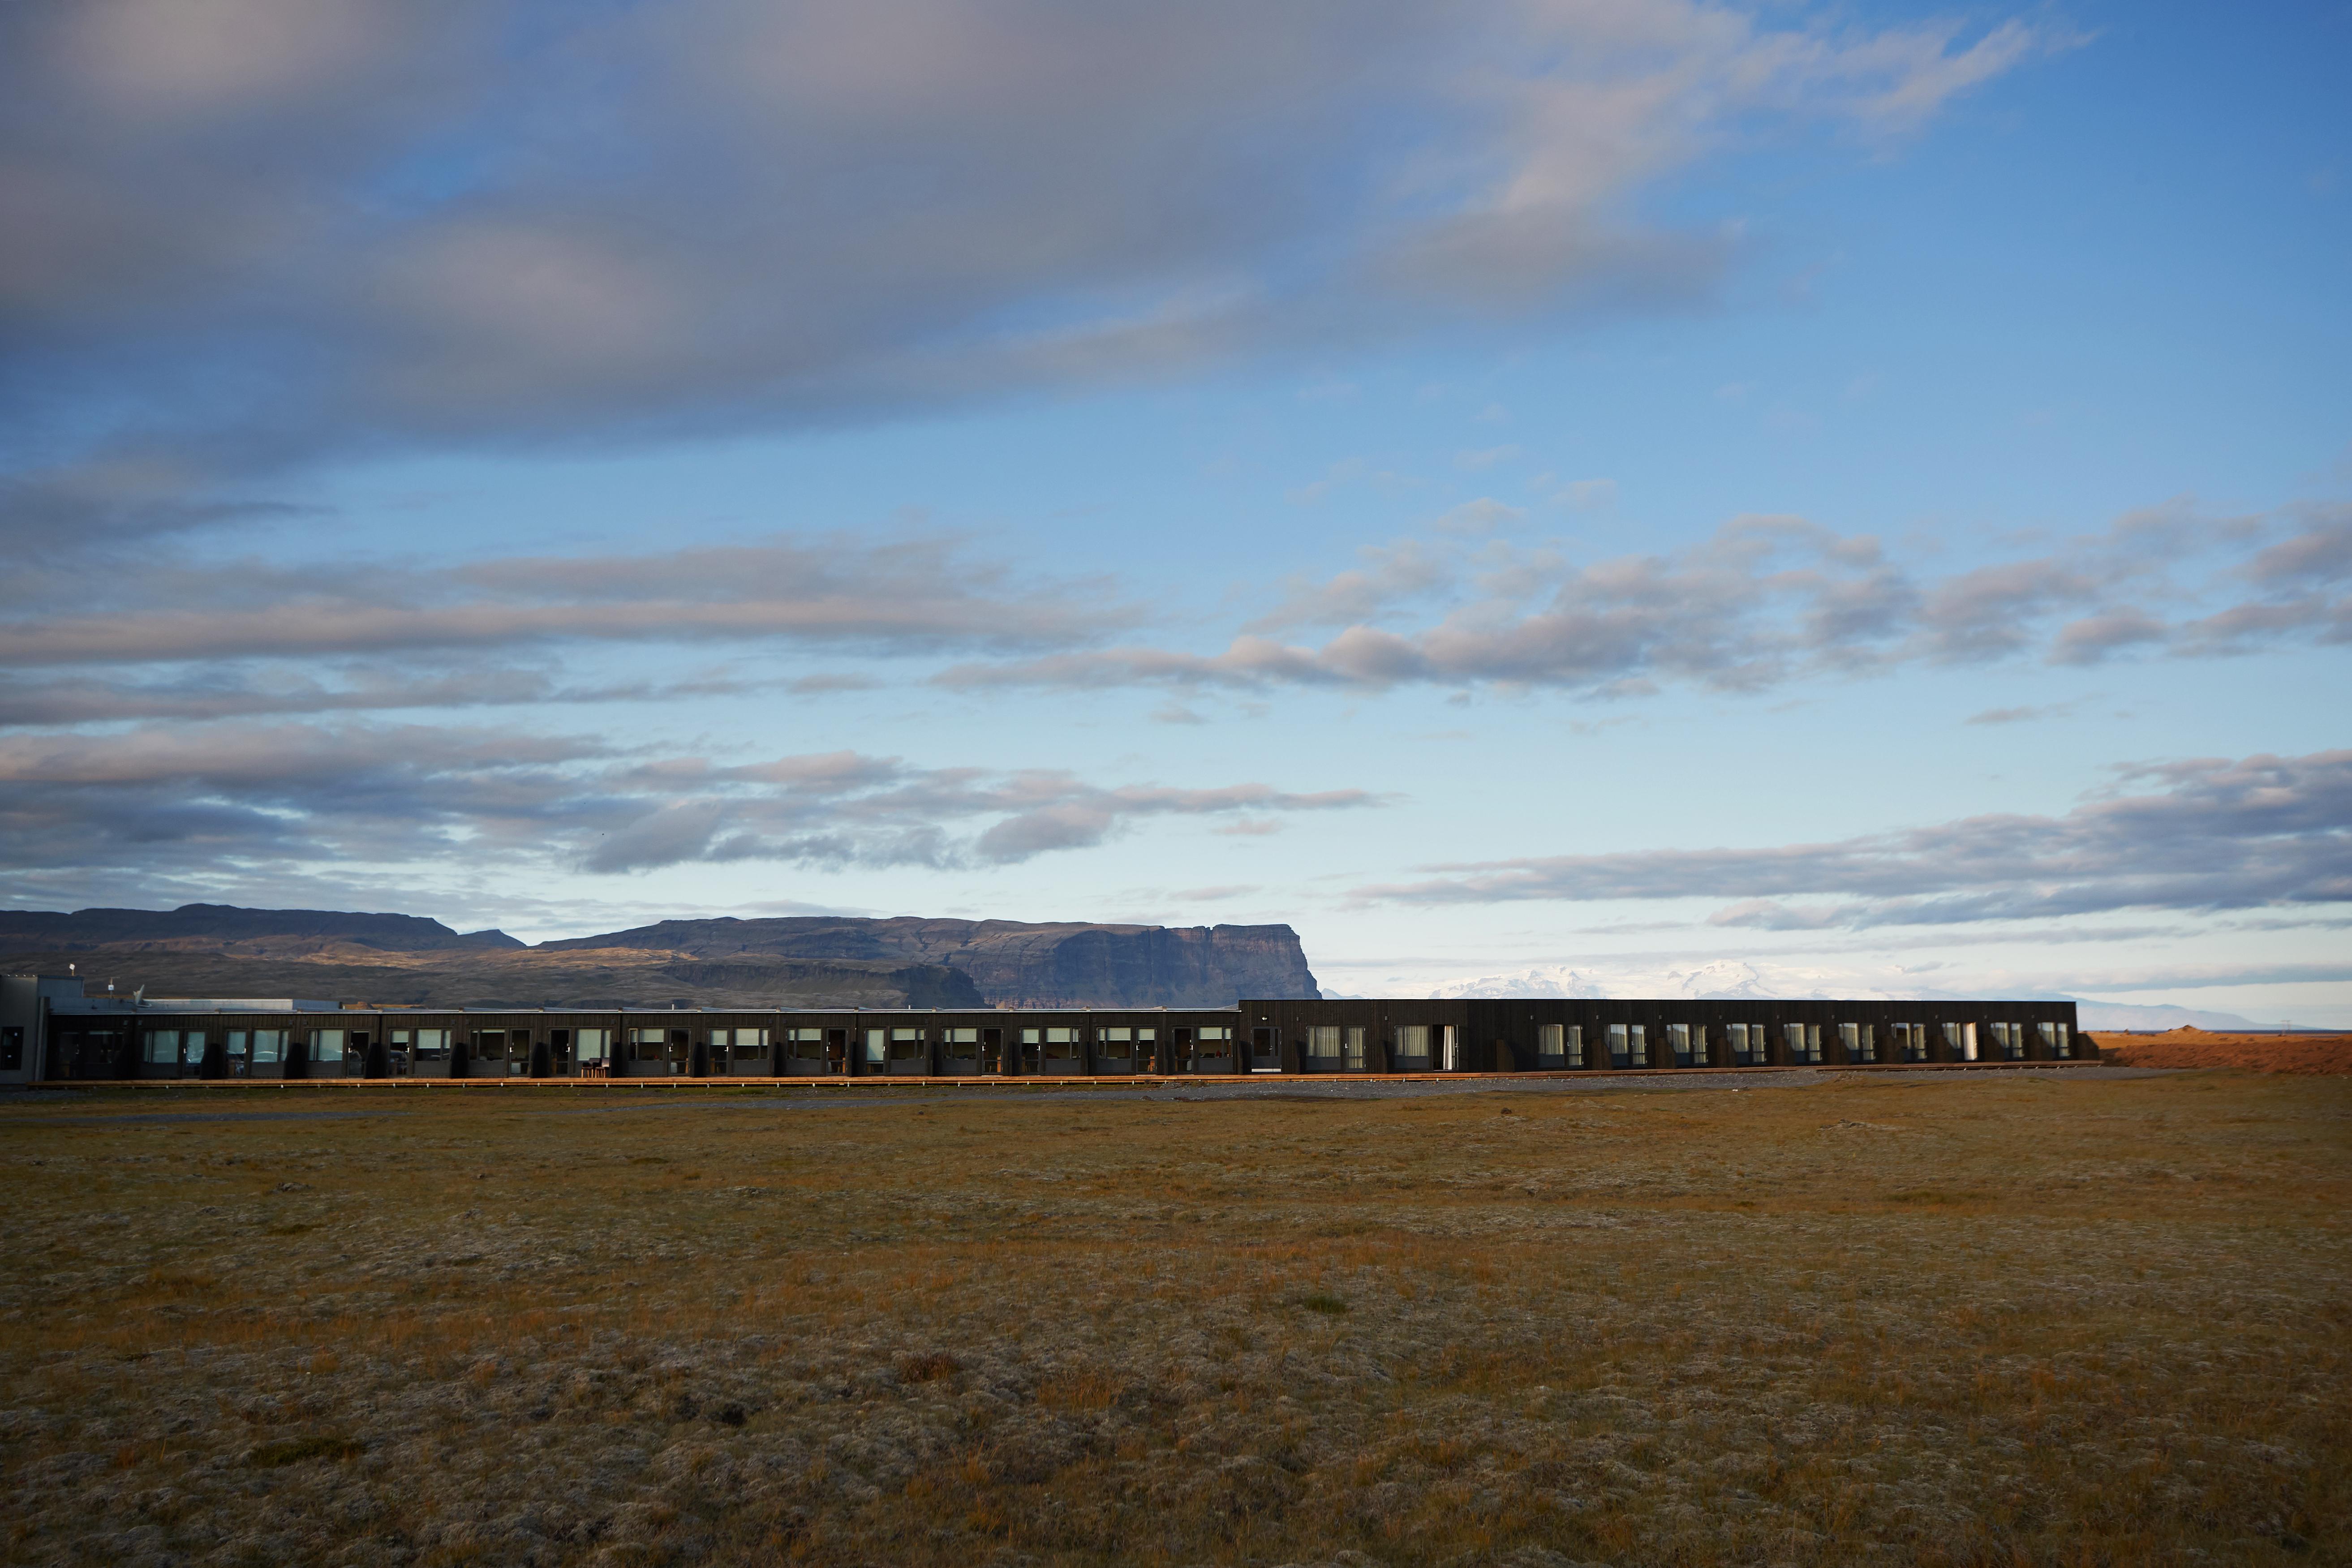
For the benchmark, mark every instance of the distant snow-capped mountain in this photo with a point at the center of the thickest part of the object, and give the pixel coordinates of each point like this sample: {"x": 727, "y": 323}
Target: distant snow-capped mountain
{"x": 1723, "y": 980}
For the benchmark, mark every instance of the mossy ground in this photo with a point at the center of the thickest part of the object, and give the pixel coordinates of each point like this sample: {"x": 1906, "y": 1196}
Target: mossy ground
{"x": 1959, "y": 1319}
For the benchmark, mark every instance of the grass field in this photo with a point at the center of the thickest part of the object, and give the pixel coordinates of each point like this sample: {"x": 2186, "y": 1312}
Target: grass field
{"x": 2013, "y": 1319}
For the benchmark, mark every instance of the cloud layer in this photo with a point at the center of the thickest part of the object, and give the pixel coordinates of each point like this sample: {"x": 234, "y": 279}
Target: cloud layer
{"x": 234, "y": 232}
{"x": 240, "y": 800}
{"x": 1765, "y": 601}
{"x": 2216, "y": 835}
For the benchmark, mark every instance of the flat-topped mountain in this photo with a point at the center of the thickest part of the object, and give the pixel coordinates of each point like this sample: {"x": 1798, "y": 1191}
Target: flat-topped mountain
{"x": 1052, "y": 965}
{"x": 801, "y": 962}
{"x": 51, "y": 931}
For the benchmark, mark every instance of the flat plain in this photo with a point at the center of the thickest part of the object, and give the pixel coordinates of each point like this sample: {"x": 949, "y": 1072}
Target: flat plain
{"x": 2019, "y": 1318}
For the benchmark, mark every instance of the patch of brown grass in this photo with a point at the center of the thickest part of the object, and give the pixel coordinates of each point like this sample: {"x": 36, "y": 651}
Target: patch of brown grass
{"x": 2044, "y": 1322}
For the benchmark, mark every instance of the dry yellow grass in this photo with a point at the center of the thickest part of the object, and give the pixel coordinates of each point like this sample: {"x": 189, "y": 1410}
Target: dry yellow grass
{"x": 1961, "y": 1320}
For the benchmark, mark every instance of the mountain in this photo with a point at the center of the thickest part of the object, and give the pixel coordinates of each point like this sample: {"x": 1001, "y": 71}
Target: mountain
{"x": 2132, "y": 1015}
{"x": 219, "y": 951}
{"x": 205, "y": 925}
{"x": 1056, "y": 965}
{"x": 1722, "y": 980}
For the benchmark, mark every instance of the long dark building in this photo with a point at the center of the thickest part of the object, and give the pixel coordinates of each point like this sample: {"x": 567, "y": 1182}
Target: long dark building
{"x": 51, "y": 1030}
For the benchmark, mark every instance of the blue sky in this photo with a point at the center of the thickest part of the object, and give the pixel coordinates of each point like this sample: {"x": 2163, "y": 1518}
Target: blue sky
{"x": 1849, "y": 498}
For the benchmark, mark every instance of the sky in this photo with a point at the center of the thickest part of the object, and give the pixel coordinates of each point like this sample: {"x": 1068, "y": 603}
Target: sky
{"x": 1663, "y": 497}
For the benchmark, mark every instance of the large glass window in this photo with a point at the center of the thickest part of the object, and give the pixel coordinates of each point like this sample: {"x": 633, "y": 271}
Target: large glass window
{"x": 1962, "y": 1039}
{"x": 269, "y": 1045}
{"x": 1804, "y": 1042}
{"x": 1115, "y": 1045}
{"x": 1628, "y": 1045}
{"x": 1910, "y": 1041}
{"x": 1413, "y": 1040}
{"x": 1351, "y": 1047}
{"x": 907, "y": 1045}
{"x": 1748, "y": 1042}
{"x": 592, "y": 1045}
{"x": 649, "y": 1045}
{"x": 876, "y": 1050}
{"x": 432, "y": 1044}
{"x": 1565, "y": 1041}
{"x": 1323, "y": 1042}
{"x": 2011, "y": 1039}
{"x": 1860, "y": 1041}
{"x": 164, "y": 1048}
{"x": 805, "y": 1045}
{"x": 2057, "y": 1039}
{"x": 962, "y": 1044}
{"x": 1689, "y": 1042}
{"x": 327, "y": 1045}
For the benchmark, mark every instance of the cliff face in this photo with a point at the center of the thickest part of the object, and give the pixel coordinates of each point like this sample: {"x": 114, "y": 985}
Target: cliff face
{"x": 219, "y": 951}
{"x": 210, "y": 925}
{"x": 1062, "y": 965}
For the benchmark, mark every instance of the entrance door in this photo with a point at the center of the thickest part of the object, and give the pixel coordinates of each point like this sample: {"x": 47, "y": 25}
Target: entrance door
{"x": 1265, "y": 1050}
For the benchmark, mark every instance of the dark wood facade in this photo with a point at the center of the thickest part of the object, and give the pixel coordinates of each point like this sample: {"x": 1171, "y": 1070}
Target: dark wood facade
{"x": 1362, "y": 1036}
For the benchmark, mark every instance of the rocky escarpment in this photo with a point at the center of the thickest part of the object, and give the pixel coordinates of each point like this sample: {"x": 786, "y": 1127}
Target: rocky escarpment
{"x": 201, "y": 926}
{"x": 1015, "y": 963}
{"x": 213, "y": 950}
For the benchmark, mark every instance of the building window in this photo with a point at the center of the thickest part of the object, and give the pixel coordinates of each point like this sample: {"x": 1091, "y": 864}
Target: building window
{"x": 269, "y": 1045}
{"x": 1804, "y": 1042}
{"x": 1217, "y": 1040}
{"x": 876, "y": 1048}
{"x": 1413, "y": 1040}
{"x": 1910, "y": 1042}
{"x": 737, "y": 1045}
{"x": 164, "y": 1048}
{"x": 1628, "y": 1045}
{"x": 1689, "y": 1042}
{"x": 962, "y": 1044}
{"x": 1323, "y": 1042}
{"x": 1860, "y": 1040}
{"x": 1115, "y": 1045}
{"x": 2058, "y": 1040}
{"x": 1962, "y": 1040}
{"x": 1747, "y": 1044}
{"x": 592, "y": 1045}
{"x": 1352, "y": 1048}
{"x": 1562, "y": 1041}
{"x": 2011, "y": 1039}
{"x": 649, "y": 1045}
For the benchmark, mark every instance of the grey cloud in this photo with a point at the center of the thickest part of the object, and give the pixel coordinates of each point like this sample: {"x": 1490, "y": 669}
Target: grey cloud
{"x": 902, "y": 595}
{"x": 1766, "y": 600}
{"x": 355, "y": 223}
{"x": 182, "y": 802}
{"x": 2216, "y": 835}
{"x": 216, "y": 694}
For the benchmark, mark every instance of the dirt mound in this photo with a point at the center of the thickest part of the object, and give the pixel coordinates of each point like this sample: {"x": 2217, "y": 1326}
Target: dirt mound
{"x": 2255, "y": 1053}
